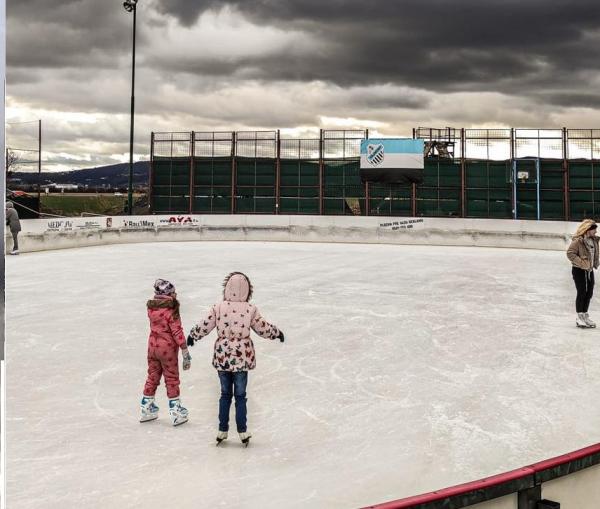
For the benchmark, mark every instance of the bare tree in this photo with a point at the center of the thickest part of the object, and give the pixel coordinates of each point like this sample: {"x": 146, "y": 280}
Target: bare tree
{"x": 13, "y": 161}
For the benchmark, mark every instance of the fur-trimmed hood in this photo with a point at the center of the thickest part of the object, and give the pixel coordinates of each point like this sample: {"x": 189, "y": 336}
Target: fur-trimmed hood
{"x": 164, "y": 302}
{"x": 237, "y": 287}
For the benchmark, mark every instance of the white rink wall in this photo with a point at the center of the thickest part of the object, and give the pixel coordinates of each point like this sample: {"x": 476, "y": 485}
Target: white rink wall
{"x": 580, "y": 490}
{"x": 49, "y": 234}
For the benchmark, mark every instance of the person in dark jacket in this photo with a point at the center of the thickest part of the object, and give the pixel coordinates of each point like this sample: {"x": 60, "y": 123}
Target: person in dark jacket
{"x": 13, "y": 222}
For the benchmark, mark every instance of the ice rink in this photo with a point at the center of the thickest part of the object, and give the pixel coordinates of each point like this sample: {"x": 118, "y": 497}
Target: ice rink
{"x": 405, "y": 369}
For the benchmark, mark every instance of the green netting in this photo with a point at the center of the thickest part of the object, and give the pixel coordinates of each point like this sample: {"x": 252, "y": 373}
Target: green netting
{"x": 438, "y": 202}
{"x": 212, "y": 172}
{"x": 255, "y": 172}
{"x": 255, "y": 200}
{"x": 299, "y": 173}
{"x": 551, "y": 175}
{"x": 169, "y": 204}
{"x": 552, "y": 205}
{"x": 441, "y": 173}
{"x": 487, "y": 174}
{"x": 212, "y": 199}
{"x": 493, "y": 203}
{"x": 526, "y": 201}
{"x": 343, "y": 191}
{"x": 299, "y": 191}
{"x": 488, "y": 184}
{"x": 390, "y": 200}
{"x": 581, "y": 175}
{"x": 212, "y": 185}
{"x": 171, "y": 185}
{"x": 299, "y": 205}
{"x": 344, "y": 206}
{"x": 256, "y": 205}
{"x": 488, "y": 189}
{"x": 342, "y": 173}
{"x": 582, "y": 204}
{"x": 255, "y": 185}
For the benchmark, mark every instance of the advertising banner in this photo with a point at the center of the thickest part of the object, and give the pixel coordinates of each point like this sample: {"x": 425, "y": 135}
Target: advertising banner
{"x": 392, "y": 160}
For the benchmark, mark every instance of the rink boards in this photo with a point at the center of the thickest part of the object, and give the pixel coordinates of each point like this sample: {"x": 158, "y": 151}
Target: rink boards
{"x": 63, "y": 233}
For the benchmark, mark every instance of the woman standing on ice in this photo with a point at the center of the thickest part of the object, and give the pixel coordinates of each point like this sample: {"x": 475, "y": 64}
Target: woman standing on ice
{"x": 165, "y": 340}
{"x": 584, "y": 255}
{"x": 234, "y": 354}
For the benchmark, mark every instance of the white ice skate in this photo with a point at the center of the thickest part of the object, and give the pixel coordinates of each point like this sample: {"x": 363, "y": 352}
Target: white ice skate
{"x": 14, "y": 252}
{"x": 586, "y": 318}
{"x": 245, "y": 438}
{"x": 581, "y": 322}
{"x": 221, "y": 435}
{"x": 178, "y": 414}
{"x": 148, "y": 408}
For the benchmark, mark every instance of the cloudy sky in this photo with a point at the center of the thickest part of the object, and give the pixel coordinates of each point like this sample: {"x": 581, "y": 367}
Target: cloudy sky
{"x": 297, "y": 65}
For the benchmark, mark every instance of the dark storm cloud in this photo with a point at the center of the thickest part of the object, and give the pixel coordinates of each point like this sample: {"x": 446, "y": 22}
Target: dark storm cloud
{"x": 65, "y": 33}
{"x": 570, "y": 99}
{"x": 491, "y": 45}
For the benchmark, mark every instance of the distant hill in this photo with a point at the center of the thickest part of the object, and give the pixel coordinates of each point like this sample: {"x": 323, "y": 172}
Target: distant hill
{"x": 114, "y": 175}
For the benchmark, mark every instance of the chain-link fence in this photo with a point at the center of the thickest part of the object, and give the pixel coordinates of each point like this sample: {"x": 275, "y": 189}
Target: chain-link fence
{"x": 496, "y": 173}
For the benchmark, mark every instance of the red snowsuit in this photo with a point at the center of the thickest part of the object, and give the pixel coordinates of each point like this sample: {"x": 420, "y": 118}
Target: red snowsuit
{"x": 166, "y": 338}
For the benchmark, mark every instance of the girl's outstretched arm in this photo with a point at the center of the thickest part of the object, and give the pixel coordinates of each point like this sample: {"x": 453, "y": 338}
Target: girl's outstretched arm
{"x": 263, "y": 328}
{"x": 204, "y": 327}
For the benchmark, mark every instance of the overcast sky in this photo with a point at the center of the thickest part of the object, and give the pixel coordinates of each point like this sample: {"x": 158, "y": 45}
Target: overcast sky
{"x": 297, "y": 65}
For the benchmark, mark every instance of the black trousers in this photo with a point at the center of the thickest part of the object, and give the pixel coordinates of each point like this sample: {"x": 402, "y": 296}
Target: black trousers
{"x": 584, "y": 282}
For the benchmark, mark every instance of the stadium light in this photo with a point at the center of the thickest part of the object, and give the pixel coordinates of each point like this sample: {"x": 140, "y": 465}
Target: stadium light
{"x": 130, "y": 6}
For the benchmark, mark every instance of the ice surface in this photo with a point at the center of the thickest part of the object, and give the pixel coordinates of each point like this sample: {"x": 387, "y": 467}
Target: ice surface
{"x": 405, "y": 369}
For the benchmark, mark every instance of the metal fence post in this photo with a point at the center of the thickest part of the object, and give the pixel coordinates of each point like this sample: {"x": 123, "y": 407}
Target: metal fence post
{"x": 566, "y": 199}
{"x": 463, "y": 176}
{"x": 278, "y": 174}
{"x": 321, "y": 171}
{"x": 513, "y": 173}
{"x": 192, "y": 178}
{"x": 151, "y": 179}
{"x": 233, "y": 183}
{"x": 367, "y": 187}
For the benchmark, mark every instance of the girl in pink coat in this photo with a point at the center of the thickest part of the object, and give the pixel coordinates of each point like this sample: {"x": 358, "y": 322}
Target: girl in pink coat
{"x": 165, "y": 340}
{"x": 234, "y": 354}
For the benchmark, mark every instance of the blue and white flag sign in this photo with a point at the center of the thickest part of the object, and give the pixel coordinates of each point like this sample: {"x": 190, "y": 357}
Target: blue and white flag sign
{"x": 392, "y": 160}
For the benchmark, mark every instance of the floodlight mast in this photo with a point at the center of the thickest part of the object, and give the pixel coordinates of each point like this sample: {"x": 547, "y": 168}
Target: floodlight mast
{"x": 131, "y": 6}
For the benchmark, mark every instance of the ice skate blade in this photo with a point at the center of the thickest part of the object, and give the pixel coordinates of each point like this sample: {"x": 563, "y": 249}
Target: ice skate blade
{"x": 246, "y": 442}
{"x": 584, "y": 326}
{"x": 179, "y": 422}
{"x": 220, "y": 441}
{"x": 147, "y": 418}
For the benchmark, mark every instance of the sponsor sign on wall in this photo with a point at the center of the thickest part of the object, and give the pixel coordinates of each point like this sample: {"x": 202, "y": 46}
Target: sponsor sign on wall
{"x": 73, "y": 224}
{"x": 402, "y": 224}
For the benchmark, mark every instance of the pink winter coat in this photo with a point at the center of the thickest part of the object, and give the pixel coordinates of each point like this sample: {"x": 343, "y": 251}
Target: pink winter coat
{"x": 234, "y": 317}
{"x": 166, "y": 331}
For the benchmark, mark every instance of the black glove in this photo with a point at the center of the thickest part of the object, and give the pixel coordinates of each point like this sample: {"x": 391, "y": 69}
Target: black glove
{"x": 280, "y": 336}
{"x": 190, "y": 340}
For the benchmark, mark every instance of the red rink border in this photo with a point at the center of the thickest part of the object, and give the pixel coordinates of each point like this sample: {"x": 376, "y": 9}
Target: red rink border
{"x": 525, "y": 481}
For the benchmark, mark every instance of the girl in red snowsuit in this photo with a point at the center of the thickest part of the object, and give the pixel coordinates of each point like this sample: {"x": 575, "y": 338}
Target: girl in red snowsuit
{"x": 165, "y": 340}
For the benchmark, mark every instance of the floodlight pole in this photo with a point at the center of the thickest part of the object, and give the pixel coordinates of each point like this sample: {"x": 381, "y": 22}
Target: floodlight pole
{"x": 130, "y": 188}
